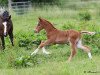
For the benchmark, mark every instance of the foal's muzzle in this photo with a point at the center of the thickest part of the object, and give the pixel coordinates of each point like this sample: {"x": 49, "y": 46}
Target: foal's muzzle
{"x": 36, "y": 31}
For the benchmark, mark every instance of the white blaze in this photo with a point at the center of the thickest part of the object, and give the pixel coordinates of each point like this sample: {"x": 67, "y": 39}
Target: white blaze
{"x": 5, "y": 27}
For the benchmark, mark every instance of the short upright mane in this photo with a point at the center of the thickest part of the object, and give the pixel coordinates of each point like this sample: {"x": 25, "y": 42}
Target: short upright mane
{"x": 49, "y": 23}
{"x": 5, "y": 14}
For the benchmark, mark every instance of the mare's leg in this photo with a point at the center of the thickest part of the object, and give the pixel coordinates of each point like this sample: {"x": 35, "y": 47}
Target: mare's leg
{"x": 73, "y": 49}
{"x": 85, "y": 48}
{"x": 42, "y": 46}
{"x": 3, "y": 42}
{"x": 11, "y": 38}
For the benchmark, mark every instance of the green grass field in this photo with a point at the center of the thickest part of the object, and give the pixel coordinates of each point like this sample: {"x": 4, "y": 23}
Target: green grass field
{"x": 55, "y": 63}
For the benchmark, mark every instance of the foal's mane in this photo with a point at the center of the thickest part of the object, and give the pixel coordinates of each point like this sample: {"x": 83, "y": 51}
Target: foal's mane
{"x": 49, "y": 23}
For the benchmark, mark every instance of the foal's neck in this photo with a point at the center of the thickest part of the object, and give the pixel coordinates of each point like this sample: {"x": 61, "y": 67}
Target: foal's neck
{"x": 49, "y": 27}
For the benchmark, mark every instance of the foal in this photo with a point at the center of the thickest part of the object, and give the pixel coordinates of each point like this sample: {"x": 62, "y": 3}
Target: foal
{"x": 55, "y": 36}
{"x": 6, "y": 27}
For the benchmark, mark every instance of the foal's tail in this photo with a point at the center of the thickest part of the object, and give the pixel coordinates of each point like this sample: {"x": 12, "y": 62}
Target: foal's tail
{"x": 88, "y": 32}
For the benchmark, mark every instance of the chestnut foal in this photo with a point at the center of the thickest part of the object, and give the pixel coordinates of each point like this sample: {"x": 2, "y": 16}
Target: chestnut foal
{"x": 55, "y": 36}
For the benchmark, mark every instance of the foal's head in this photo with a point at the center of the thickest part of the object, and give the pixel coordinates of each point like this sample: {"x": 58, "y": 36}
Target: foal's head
{"x": 39, "y": 26}
{"x": 5, "y": 22}
{"x": 43, "y": 24}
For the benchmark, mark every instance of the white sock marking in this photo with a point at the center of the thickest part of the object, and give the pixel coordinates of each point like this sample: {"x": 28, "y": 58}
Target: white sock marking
{"x": 90, "y": 56}
{"x": 35, "y": 51}
{"x": 79, "y": 44}
{"x": 44, "y": 51}
{"x": 5, "y": 27}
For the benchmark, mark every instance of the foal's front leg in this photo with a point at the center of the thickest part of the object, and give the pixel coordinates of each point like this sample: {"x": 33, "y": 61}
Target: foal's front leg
{"x": 47, "y": 42}
{"x": 3, "y": 42}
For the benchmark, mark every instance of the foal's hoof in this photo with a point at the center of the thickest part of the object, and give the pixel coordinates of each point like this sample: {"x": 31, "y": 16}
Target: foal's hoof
{"x": 47, "y": 53}
{"x": 13, "y": 45}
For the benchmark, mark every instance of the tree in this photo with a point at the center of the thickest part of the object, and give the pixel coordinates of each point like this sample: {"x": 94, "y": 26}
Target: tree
{"x": 3, "y": 2}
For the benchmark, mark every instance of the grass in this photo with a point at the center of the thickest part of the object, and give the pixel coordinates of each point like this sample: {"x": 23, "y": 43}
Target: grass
{"x": 76, "y": 67}
{"x": 55, "y": 63}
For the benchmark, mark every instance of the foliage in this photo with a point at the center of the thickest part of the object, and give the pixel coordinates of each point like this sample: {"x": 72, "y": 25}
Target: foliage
{"x": 27, "y": 40}
{"x": 69, "y": 26}
{"x": 3, "y": 2}
{"x": 84, "y": 16}
{"x": 24, "y": 61}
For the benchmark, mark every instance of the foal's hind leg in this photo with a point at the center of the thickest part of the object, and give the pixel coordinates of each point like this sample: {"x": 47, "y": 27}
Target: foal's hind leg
{"x": 11, "y": 38}
{"x": 85, "y": 48}
{"x": 73, "y": 49}
{"x": 3, "y": 42}
{"x": 42, "y": 46}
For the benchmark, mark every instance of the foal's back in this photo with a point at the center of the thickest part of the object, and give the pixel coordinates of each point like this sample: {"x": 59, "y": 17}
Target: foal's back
{"x": 65, "y": 36}
{"x": 73, "y": 34}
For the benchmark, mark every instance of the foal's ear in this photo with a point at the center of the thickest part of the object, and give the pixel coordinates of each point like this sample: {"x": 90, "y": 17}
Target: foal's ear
{"x": 40, "y": 19}
{"x": 10, "y": 17}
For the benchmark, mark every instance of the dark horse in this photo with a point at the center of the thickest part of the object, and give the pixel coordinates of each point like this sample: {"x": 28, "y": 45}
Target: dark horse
{"x": 6, "y": 27}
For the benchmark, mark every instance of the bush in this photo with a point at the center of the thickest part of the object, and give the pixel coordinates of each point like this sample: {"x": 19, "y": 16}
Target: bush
{"x": 68, "y": 26}
{"x": 24, "y": 43}
{"x": 25, "y": 61}
{"x": 93, "y": 40}
{"x": 84, "y": 16}
{"x": 24, "y": 39}
{"x": 30, "y": 39}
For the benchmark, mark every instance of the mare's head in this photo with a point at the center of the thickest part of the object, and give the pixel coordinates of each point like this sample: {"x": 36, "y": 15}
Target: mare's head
{"x": 5, "y": 21}
{"x": 39, "y": 26}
